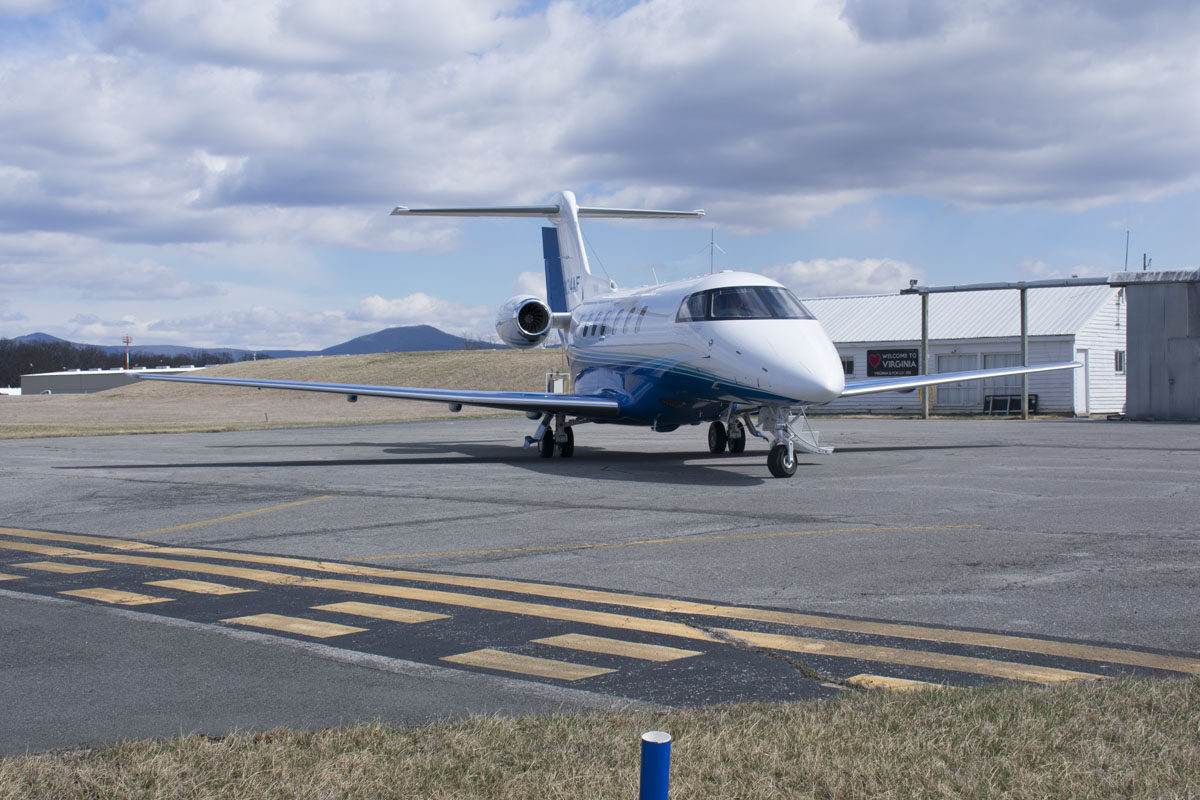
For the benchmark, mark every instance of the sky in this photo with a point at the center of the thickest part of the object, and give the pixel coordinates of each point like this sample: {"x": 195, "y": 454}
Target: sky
{"x": 220, "y": 172}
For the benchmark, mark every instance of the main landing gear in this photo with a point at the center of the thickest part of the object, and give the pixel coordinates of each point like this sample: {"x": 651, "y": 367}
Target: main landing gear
{"x": 722, "y": 437}
{"x": 730, "y": 434}
{"x": 553, "y": 434}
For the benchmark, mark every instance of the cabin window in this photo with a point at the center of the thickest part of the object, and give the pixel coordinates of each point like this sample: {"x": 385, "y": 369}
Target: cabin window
{"x": 742, "y": 302}
{"x": 641, "y": 316}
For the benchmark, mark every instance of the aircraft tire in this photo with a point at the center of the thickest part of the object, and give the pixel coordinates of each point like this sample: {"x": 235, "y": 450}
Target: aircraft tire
{"x": 737, "y": 438}
{"x": 717, "y": 438}
{"x": 778, "y": 463}
{"x": 567, "y": 449}
{"x": 546, "y": 445}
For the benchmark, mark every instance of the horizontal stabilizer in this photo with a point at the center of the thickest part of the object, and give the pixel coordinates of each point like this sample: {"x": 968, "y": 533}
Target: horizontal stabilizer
{"x": 545, "y": 211}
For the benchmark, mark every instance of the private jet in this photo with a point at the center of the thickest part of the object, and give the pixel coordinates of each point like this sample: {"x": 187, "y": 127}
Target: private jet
{"x": 734, "y": 349}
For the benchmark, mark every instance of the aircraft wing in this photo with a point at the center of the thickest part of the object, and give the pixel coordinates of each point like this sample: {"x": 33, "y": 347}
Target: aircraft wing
{"x": 916, "y": 381}
{"x": 581, "y": 404}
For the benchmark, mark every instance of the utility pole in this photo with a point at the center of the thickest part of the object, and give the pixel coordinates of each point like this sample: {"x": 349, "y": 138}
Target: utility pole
{"x": 128, "y": 341}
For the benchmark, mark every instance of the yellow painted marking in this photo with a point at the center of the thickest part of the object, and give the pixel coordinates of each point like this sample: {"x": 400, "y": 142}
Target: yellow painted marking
{"x": 527, "y": 665}
{"x": 618, "y": 647}
{"x": 52, "y": 566}
{"x": 866, "y": 681}
{"x": 231, "y": 517}
{"x": 198, "y": 587}
{"x": 120, "y": 598}
{"x": 672, "y": 540}
{"x": 4, "y": 577}
{"x": 891, "y": 655}
{"x": 1024, "y": 644}
{"x": 912, "y": 658}
{"x": 40, "y": 549}
{"x": 376, "y": 611}
{"x": 304, "y": 627}
{"x": 103, "y": 541}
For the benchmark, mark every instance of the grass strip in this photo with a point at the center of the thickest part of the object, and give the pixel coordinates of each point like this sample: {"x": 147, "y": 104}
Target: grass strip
{"x": 1120, "y": 738}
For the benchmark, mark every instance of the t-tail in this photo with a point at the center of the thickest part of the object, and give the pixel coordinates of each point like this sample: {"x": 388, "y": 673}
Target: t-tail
{"x": 566, "y": 260}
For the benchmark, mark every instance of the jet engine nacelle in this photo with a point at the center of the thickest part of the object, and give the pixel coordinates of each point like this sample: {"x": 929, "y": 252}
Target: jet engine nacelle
{"x": 523, "y": 321}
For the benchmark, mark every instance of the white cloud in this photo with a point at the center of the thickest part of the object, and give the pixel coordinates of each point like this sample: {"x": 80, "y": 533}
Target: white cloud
{"x": 533, "y": 283}
{"x": 824, "y": 277}
{"x": 421, "y": 309}
{"x": 170, "y": 143}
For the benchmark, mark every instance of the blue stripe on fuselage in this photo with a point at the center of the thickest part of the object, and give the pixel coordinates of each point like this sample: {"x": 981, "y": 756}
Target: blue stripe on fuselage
{"x": 642, "y": 385}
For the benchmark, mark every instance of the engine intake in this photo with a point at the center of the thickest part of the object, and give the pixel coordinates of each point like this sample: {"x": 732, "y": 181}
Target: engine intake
{"x": 523, "y": 321}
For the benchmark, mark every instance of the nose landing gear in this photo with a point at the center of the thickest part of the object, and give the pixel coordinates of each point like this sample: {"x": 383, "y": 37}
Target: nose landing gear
{"x": 781, "y": 460}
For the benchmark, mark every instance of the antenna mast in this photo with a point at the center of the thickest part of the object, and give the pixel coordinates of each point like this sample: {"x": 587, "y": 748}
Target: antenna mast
{"x": 712, "y": 248}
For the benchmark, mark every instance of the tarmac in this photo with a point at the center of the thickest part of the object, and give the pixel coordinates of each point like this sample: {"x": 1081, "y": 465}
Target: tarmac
{"x": 158, "y": 585}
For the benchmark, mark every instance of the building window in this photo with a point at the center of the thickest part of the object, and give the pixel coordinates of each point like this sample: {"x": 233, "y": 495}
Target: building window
{"x": 848, "y": 365}
{"x": 1119, "y": 361}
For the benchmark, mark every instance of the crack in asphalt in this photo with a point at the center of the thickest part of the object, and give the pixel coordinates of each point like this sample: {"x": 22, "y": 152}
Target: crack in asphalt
{"x": 805, "y": 669}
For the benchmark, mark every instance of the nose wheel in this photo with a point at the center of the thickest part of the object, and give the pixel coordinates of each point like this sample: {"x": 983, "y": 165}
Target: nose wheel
{"x": 781, "y": 462}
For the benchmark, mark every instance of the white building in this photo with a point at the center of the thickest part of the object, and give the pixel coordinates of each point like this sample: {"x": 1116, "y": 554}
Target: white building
{"x": 86, "y": 381}
{"x": 880, "y": 335}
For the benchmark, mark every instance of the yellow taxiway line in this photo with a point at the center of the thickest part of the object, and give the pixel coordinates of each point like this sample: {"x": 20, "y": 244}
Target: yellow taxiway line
{"x": 117, "y": 597}
{"x": 980, "y": 666}
{"x": 1022, "y": 644}
{"x": 300, "y": 625}
{"x": 618, "y": 647}
{"x": 527, "y": 665}
{"x": 724, "y": 537}
{"x": 231, "y": 517}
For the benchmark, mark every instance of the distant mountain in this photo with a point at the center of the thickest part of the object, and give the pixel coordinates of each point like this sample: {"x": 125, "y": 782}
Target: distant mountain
{"x": 38, "y": 338}
{"x": 403, "y": 339}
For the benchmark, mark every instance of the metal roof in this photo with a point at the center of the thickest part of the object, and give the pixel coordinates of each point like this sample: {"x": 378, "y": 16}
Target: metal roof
{"x": 965, "y": 315}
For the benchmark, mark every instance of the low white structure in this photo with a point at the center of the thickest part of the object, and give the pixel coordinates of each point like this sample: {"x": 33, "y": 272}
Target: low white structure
{"x": 880, "y": 335}
{"x": 86, "y": 381}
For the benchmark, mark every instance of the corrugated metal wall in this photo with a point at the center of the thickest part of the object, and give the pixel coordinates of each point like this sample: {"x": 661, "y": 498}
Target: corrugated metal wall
{"x": 1164, "y": 351}
{"x": 1055, "y": 391}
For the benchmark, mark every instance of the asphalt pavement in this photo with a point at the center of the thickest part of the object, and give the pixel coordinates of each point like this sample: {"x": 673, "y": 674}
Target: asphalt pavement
{"x": 164, "y": 584}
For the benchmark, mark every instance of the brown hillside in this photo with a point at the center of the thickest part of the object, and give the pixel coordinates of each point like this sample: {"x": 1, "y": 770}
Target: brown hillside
{"x": 160, "y": 407}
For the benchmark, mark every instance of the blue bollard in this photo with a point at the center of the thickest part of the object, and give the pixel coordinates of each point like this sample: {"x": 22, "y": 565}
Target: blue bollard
{"x": 656, "y": 765}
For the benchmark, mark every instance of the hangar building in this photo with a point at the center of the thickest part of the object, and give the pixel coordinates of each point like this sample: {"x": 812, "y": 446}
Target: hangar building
{"x": 86, "y": 381}
{"x": 1164, "y": 371}
{"x": 880, "y": 336}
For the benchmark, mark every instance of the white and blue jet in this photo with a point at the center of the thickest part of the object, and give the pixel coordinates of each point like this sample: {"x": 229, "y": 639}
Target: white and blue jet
{"x": 734, "y": 349}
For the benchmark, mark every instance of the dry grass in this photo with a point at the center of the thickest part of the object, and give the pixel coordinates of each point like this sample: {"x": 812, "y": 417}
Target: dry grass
{"x": 176, "y": 407}
{"x": 1107, "y": 739}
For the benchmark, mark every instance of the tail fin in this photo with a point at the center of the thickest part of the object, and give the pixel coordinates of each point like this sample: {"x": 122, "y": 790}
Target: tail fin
{"x": 570, "y": 270}
{"x": 556, "y": 295}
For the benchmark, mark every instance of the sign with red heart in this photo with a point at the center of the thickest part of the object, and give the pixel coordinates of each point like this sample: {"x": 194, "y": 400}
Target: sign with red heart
{"x": 893, "y": 363}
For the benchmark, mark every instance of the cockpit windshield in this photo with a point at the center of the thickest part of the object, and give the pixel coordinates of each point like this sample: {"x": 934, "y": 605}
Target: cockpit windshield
{"x": 742, "y": 302}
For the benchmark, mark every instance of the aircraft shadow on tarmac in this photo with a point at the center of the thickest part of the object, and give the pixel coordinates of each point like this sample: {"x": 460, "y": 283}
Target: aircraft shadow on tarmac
{"x": 900, "y": 448}
{"x": 590, "y": 463}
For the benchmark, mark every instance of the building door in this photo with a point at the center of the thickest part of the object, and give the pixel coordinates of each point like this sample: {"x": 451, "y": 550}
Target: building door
{"x": 958, "y": 394}
{"x": 1082, "y": 379}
